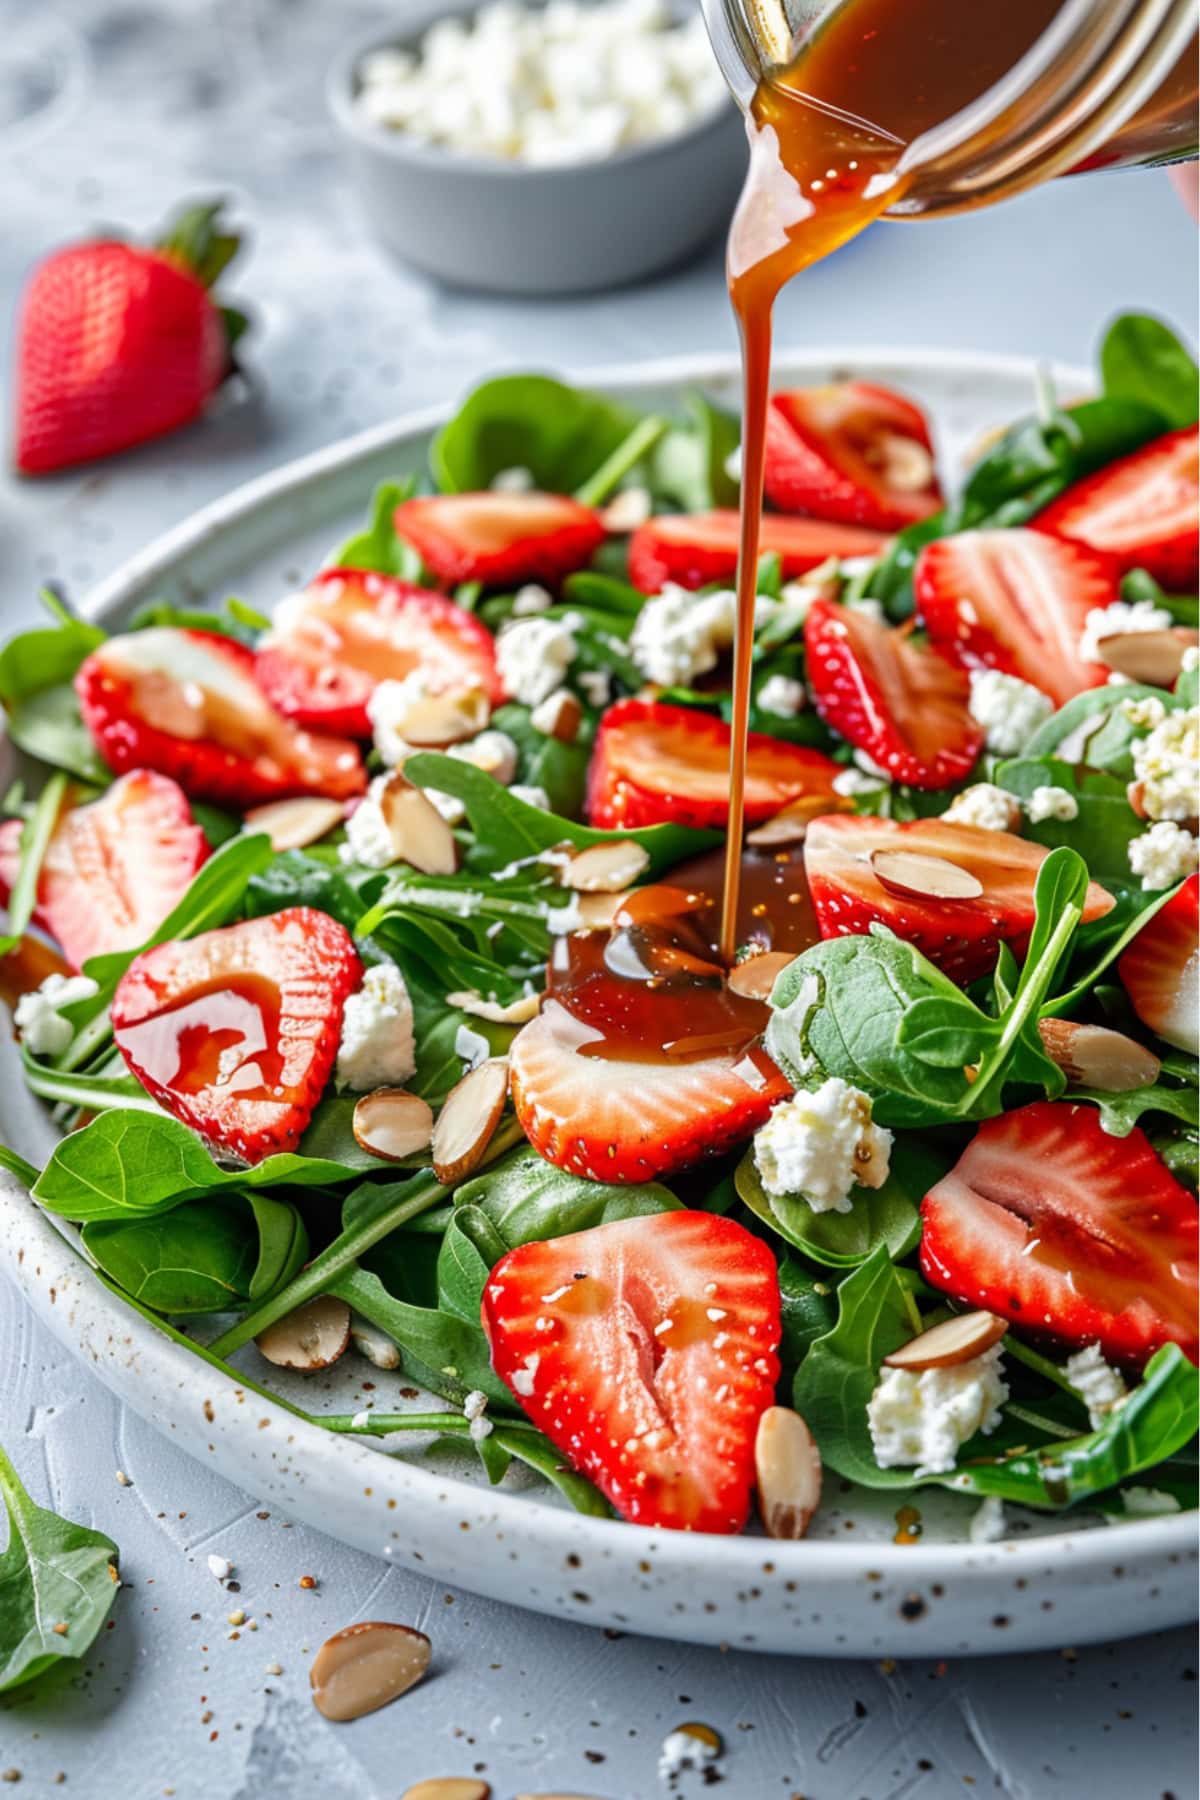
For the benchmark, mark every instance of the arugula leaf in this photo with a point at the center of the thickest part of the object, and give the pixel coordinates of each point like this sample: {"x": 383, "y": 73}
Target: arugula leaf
{"x": 507, "y": 829}
{"x": 522, "y": 1200}
{"x": 58, "y": 1581}
{"x": 128, "y": 1165}
{"x": 380, "y": 547}
{"x": 560, "y": 434}
{"x": 1141, "y": 359}
{"x": 884, "y": 1216}
{"x": 207, "y": 1257}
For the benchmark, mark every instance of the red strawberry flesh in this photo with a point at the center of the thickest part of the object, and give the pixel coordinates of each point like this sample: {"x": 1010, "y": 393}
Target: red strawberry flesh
{"x": 693, "y": 549}
{"x": 850, "y": 451}
{"x": 1161, "y": 970}
{"x": 1074, "y": 1234}
{"x": 236, "y": 1032}
{"x": 646, "y": 1351}
{"x": 500, "y": 539}
{"x": 1143, "y": 510}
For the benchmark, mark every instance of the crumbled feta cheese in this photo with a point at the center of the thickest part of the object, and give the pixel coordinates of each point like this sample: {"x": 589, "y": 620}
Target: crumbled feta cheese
{"x": 376, "y": 1048}
{"x": 853, "y": 781}
{"x": 679, "y": 635}
{"x": 870, "y": 767}
{"x": 1191, "y": 660}
{"x": 492, "y": 751}
{"x": 989, "y": 807}
{"x": 1167, "y": 763}
{"x": 533, "y": 655}
{"x": 1144, "y": 714}
{"x": 220, "y": 1568}
{"x": 532, "y": 796}
{"x": 1051, "y": 803}
{"x": 987, "y": 1525}
{"x": 924, "y": 1418}
{"x": 818, "y": 1145}
{"x": 1100, "y": 1387}
{"x": 1118, "y": 618}
{"x": 530, "y": 600}
{"x": 38, "y": 1018}
{"x": 1007, "y": 709}
{"x": 1148, "y": 1502}
{"x": 392, "y": 705}
{"x": 368, "y": 840}
{"x": 782, "y": 694}
{"x": 596, "y": 686}
{"x": 1165, "y": 854}
{"x": 517, "y": 480}
{"x": 627, "y": 510}
{"x": 549, "y": 85}
{"x": 471, "y": 1047}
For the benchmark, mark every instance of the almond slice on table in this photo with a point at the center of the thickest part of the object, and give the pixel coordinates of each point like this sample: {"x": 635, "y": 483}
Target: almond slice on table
{"x": 754, "y": 978}
{"x": 790, "y": 825}
{"x": 365, "y": 1666}
{"x": 311, "y": 1337}
{"x": 419, "y": 833}
{"x": 392, "y": 1123}
{"x": 1096, "y": 1057}
{"x": 787, "y": 1472}
{"x": 517, "y": 1012}
{"x": 1154, "y": 657}
{"x": 294, "y": 824}
{"x": 468, "y": 1119}
{"x": 449, "y": 1787}
{"x": 954, "y": 1341}
{"x": 605, "y": 868}
{"x": 912, "y": 874}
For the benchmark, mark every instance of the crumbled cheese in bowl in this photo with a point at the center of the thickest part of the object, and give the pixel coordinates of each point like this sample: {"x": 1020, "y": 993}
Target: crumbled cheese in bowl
{"x": 1165, "y": 854}
{"x": 819, "y": 1145}
{"x": 1118, "y": 618}
{"x": 1101, "y": 1388}
{"x": 560, "y": 84}
{"x": 1008, "y": 709}
{"x": 1167, "y": 763}
{"x": 38, "y": 1017}
{"x": 376, "y": 1048}
{"x": 923, "y": 1419}
{"x": 989, "y": 807}
{"x": 1052, "y": 803}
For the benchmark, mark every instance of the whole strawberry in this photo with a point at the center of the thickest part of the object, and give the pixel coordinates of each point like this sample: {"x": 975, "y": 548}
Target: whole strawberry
{"x": 119, "y": 342}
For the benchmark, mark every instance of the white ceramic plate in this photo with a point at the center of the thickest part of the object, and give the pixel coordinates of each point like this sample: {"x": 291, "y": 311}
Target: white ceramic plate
{"x": 847, "y": 1590}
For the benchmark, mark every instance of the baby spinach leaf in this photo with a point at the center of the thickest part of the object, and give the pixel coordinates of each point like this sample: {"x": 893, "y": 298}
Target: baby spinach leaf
{"x": 195, "y": 1259}
{"x": 1141, "y": 359}
{"x": 1105, "y": 824}
{"x": 48, "y": 726}
{"x": 809, "y": 1310}
{"x": 380, "y": 547}
{"x": 560, "y": 434}
{"x": 128, "y": 1165}
{"x": 1092, "y": 728}
{"x": 448, "y": 1355}
{"x": 536, "y": 1451}
{"x": 45, "y": 657}
{"x": 58, "y": 1581}
{"x": 1119, "y": 1113}
{"x": 282, "y": 1245}
{"x": 522, "y": 1200}
{"x": 884, "y": 1216}
{"x": 637, "y": 443}
{"x": 559, "y": 769}
{"x": 688, "y": 464}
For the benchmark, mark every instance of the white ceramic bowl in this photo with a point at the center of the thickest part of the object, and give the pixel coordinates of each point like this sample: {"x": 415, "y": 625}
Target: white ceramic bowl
{"x": 849, "y": 1589}
{"x": 483, "y": 222}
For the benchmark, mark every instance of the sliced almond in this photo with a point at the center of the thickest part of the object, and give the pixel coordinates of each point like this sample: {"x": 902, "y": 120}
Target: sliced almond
{"x": 627, "y": 510}
{"x": 791, "y": 824}
{"x": 517, "y": 1012}
{"x": 1096, "y": 1057}
{"x": 787, "y": 1473}
{"x": 754, "y": 978}
{"x": 914, "y": 875}
{"x": 374, "y": 1344}
{"x": 362, "y": 1668}
{"x": 905, "y": 463}
{"x": 433, "y": 721}
{"x": 392, "y": 1123}
{"x": 953, "y": 1341}
{"x": 420, "y": 836}
{"x": 597, "y": 911}
{"x": 469, "y": 1116}
{"x": 294, "y": 824}
{"x": 462, "y": 1787}
{"x": 312, "y": 1337}
{"x": 1135, "y": 793}
{"x": 605, "y": 868}
{"x": 559, "y": 716}
{"x": 1155, "y": 657}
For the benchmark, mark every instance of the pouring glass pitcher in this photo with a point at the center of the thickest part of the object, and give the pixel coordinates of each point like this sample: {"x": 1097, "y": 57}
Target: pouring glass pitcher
{"x": 991, "y": 96}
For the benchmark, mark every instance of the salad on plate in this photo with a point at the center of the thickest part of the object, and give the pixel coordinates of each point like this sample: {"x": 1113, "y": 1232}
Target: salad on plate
{"x": 367, "y": 954}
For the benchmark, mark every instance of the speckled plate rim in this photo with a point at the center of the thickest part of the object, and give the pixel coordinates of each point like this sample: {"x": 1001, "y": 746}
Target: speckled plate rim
{"x": 831, "y": 1598}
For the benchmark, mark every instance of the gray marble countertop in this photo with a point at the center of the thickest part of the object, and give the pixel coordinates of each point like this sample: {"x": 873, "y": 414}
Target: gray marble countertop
{"x": 111, "y": 110}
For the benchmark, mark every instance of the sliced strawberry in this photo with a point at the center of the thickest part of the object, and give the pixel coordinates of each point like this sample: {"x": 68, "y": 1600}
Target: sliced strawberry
{"x": 1070, "y": 1232}
{"x": 620, "y": 1120}
{"x": 1018, "y": 601}
{"x": 1161, "y": 970}
{"x": 962, "y": 937}
{"x": 1143, "y": 510}
{"x": 656, "y": 763}
{"x": 235, "y": 1032}
{"x": 646, "y": 1351}
{"x": 907, "y": 708}
{"x": 500, "y": 539}
{"x": 332, "y": 645}
{"x": 692, "y": 549}
{"x": 113, "y": 869}
{"x": 851, "y": 451}
{"x": 186, "y": 703}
